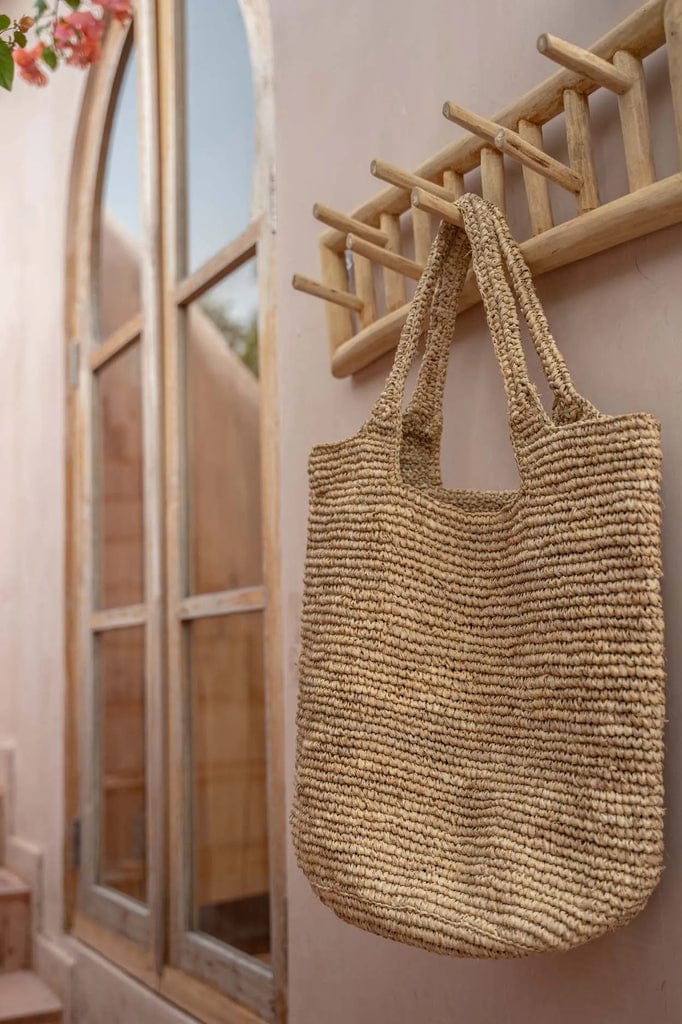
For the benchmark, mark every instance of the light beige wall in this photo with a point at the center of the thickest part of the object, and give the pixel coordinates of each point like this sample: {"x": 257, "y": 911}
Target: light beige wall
{"x": 366, "y": 79}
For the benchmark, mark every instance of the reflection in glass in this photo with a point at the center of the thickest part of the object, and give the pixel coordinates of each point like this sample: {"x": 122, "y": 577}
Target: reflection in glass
{"x": 220, "y": 127}
{"x": 223, "y": 436}
{"x": 120, "y": 669}
{"x": 120, "y": 227}
{"x": 119, "y": 546}
{"x": 229, "y": 821}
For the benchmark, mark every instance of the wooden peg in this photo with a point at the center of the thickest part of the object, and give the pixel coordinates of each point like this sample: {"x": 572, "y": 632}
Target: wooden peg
{"x": 537, "y": 190}
{"x": 405, "y": 179}
{"x": 334, "y": 219}
{"x": 584, "y": 63}
{"x": 481, "y": 126}
{"x": 579, "y": 140}
{"x": 515, "y": 146}
{"x": 634, "y": 121}
{"x": 447, "y": 211}
{"x": 322, "y": 291}
{"x": 392, "y": 260}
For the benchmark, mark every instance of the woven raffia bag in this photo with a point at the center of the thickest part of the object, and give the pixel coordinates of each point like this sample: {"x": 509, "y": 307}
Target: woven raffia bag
{"x": 479, "y": 755}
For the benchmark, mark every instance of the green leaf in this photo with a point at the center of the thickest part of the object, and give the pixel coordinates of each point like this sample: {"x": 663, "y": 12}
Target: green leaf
{"x": 40, "y": 8}
{"x": 6, "y": 66}
{"x": 20, "y": 39}
{"x": 74, "y": 4}
{"x": 5, "y": 22}
{"x": 50, "y": 57}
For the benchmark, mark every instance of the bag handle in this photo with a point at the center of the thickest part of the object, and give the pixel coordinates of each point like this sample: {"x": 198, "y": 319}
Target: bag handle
{"x": 435, "y": 302}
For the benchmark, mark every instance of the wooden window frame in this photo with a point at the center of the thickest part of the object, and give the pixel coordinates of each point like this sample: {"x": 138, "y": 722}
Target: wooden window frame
{"x": 198, "y": 973}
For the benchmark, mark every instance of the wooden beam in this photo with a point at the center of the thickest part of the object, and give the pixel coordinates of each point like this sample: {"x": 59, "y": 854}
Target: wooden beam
{"x": 631, "y": 216}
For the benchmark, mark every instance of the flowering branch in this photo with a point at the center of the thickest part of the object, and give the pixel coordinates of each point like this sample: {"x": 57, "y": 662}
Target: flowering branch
{"x": 74, "y": 38}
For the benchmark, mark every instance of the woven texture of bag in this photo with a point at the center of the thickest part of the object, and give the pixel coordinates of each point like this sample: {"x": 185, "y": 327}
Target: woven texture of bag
{"x": 481, "y": 703}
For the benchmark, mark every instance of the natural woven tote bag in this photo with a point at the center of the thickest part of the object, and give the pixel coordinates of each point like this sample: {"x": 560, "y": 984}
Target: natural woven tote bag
{"x": 479, "y": 753}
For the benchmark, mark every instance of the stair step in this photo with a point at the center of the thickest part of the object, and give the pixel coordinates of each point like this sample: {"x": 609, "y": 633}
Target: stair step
{"x": 25, "y": 999}
{"x": 15, "y": 922}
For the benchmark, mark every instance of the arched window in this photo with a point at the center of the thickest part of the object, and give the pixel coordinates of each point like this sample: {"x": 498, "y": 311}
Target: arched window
{"x": 172, "y": 575}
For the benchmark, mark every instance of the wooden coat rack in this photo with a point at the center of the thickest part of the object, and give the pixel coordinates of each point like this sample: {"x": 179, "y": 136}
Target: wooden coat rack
{"x": 360, "y": 332}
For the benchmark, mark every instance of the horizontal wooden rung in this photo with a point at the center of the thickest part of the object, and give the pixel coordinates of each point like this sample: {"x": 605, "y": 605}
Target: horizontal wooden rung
{"x": 341, "y": 221}
{"x": 323, "y": 291}
{"x": 600, "y": 71}
{"x": 406, "y": 180}
{"x": 392, "y": 260}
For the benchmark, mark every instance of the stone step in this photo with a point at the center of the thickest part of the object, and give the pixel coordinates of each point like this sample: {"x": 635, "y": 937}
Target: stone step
{"x": 25, "y": 999}
{"x": 15, "y": 923}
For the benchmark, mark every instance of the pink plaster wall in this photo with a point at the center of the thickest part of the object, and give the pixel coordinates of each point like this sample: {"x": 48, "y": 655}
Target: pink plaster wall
{"x": 360, "y": 80}
{"x": 37, "y": 139}
{"x": 355, "y": 80}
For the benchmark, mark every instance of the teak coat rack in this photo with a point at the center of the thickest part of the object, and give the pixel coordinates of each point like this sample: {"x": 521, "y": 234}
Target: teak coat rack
{"x": 359, "y": 332}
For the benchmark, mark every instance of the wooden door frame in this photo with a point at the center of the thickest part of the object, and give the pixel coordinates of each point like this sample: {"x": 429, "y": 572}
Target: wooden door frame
{"x": 154, "y": 20}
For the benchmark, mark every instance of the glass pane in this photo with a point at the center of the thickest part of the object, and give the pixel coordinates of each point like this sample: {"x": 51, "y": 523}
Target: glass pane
{"x": 119, "y": 528}
{"x": 229, "y": 822}
{"x": 223, "y": 436}
{"x": 220, "y": 135}
{"x": 120, "y": 227}
{"x": 120, "y": 663}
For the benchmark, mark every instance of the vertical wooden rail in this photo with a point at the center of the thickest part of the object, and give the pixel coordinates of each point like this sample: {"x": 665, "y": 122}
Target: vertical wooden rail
{"x": 394, "y": 283}
{"x": 580, "y": 156}
{"x": 492, "y": 177}
{"x": 673, "y": 36}
{"x": 334, "y": 274}
{"x": 421, "y": 229}
{"x": 537, "y": 190}
{"x": 634, "y": 119}
{"x": 454, "y": 182}
{"x": 364, "y": 288}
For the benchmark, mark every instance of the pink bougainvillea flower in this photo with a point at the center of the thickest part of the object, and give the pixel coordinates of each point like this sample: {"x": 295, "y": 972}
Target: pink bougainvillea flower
{"x": 27, "y": 63}
{"x": 78, "y": 37}
{"x": 121, "y": 10}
